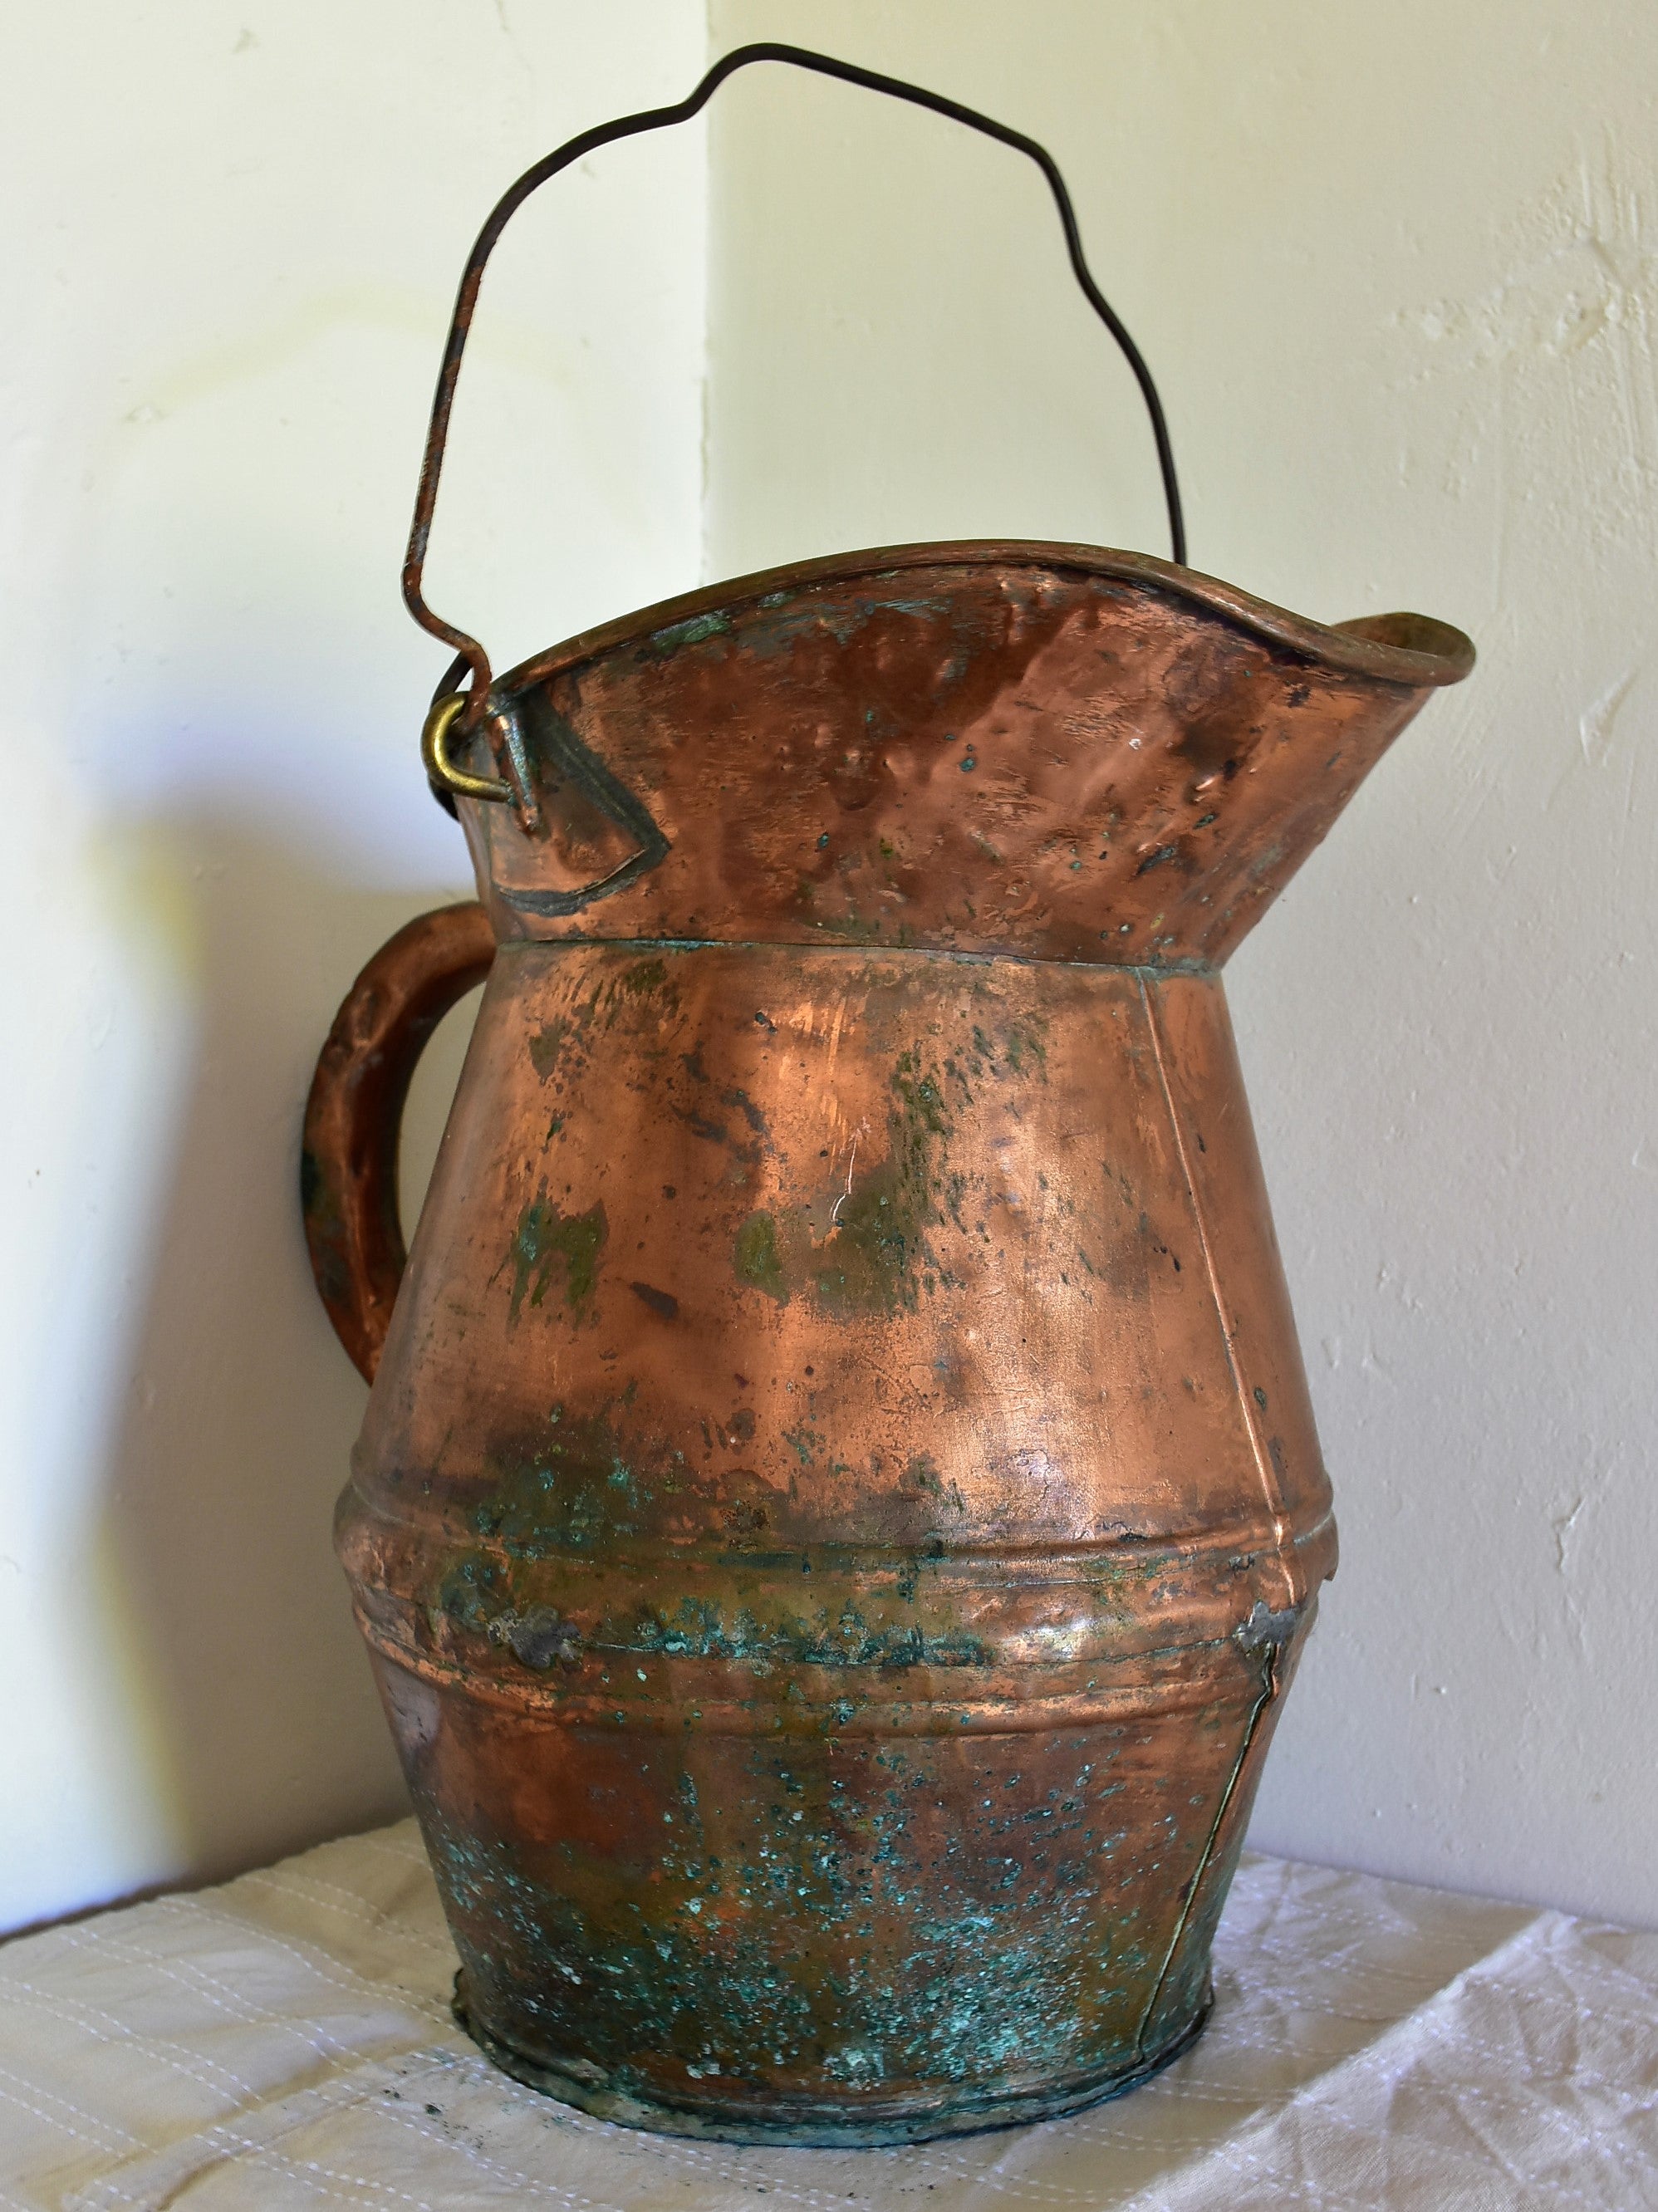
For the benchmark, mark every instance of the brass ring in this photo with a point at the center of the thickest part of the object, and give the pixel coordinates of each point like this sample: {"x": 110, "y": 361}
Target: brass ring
{"x": 434, "y": 751}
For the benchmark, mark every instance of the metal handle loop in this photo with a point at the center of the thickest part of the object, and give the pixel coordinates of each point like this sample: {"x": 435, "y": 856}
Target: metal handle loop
{"x": 471, "y": 653}
{"x": 442, "y": 772}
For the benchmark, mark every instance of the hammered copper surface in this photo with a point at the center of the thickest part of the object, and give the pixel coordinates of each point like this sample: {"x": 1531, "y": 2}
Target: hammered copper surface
{"x": 1050, "y": 750}
{"x": 839, "y": 1504}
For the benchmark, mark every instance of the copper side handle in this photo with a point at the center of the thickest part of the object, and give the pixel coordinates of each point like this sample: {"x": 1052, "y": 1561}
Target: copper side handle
{"x": 354, "y": 1117}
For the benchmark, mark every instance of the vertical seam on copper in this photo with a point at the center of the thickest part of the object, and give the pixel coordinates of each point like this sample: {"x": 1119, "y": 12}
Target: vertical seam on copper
{"x": 1284, "y": 1534}
{"x": 1268, "y": 1692}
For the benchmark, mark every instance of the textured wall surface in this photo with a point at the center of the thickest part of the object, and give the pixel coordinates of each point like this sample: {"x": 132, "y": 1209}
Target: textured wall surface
{"x": 234, "y": 236}
{"x": 1396, "y": 271}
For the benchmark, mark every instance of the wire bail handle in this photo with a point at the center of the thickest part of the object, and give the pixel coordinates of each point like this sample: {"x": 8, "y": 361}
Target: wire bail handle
{"x": 455, "y": 714}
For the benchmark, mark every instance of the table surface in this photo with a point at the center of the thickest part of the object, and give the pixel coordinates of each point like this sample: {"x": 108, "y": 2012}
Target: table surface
{"x": 285, "y": 2042}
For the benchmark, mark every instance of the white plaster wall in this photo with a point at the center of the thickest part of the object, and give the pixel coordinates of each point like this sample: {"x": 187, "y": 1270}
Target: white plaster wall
{"x": 1395, "y": 267}
{"x": 235, "y": 230}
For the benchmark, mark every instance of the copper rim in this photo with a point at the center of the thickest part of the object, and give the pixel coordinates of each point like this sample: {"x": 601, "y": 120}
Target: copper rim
{"x": 1409, "y": 649}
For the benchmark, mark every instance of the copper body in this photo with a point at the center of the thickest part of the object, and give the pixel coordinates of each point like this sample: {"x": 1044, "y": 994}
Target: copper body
{"x": 839, "y": 1504}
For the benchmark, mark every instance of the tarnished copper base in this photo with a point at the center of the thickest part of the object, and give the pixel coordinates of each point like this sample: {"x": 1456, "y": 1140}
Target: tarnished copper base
{"x": 916, "y": 2119}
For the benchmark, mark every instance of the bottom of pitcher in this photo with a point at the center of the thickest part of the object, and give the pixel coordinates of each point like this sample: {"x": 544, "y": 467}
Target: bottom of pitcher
{"x": 813, "y": 2127}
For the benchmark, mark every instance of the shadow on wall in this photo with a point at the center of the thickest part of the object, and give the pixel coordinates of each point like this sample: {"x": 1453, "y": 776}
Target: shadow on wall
{"x": 238, "y": 1656}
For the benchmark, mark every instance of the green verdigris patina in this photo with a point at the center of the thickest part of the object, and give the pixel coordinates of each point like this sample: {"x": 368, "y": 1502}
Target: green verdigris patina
{"x": 876, "y": 1255}
{"x": 1001, "y": 1970}
{"x": 546, "y": 1241}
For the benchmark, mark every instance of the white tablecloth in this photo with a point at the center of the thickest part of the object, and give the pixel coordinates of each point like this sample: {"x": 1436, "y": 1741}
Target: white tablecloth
{"x": 285, "y": 2042}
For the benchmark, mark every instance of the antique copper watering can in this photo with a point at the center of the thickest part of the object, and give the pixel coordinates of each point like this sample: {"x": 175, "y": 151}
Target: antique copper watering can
{"x": 838, "y": 1506}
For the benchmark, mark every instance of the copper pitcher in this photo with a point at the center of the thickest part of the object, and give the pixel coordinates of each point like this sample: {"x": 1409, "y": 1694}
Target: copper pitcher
{"x": 839, "y": 1508}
